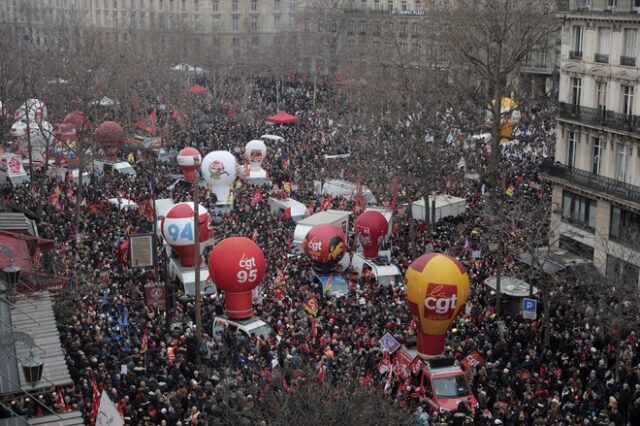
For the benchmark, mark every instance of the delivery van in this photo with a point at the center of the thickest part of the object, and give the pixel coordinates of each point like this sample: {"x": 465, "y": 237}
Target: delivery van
{"x": 107, "y": 167}
{"x": 247, "y": 327}
{"x": 385, "y": 272}
{"x": 184, "y": 278}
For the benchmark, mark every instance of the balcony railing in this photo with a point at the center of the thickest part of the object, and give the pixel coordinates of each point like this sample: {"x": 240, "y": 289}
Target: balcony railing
{"x": 575, "y": 54}
{"x": 600, "y": 117}
{"x": 602, "y": 58}
{"x": 592, "y": 181}
{"x": 628, "y": 61}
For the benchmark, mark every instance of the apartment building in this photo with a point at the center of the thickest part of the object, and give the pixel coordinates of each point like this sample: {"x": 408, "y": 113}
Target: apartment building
{"x": 228, "y": 28}
{"x": 596, "y": 177}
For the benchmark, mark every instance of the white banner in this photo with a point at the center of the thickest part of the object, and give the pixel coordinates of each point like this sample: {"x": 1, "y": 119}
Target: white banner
{"x": 107, "y": 413}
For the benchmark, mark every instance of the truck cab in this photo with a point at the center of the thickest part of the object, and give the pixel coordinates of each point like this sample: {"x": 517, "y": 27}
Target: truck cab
{"x": 184, "y": 278}
{"x": 445, "y": 384}
{"x": 247, "y": 327}
{"x": 385, "y": 272}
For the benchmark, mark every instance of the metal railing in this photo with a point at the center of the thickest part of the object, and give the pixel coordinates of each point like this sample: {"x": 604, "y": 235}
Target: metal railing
{"x": 593, "y": 181}
{"x": 575, "y": 54}
{"x": 628, "y": 61}
{"x": 601, "y": 57}
{"x": 600, "y": 117}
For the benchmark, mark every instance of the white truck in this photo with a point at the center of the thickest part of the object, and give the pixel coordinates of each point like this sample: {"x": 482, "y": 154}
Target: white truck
{"x": 339, "y": 218}
{"x": 343, "y": 188}
{"x": 12, "y": 172}
{"x": 106, "y": 167}
{"x": 247, "y": 327}
{"x": 445, "y": 205}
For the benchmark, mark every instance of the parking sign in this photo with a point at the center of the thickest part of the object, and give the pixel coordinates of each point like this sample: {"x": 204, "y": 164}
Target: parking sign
{"x": 529, "y": 308}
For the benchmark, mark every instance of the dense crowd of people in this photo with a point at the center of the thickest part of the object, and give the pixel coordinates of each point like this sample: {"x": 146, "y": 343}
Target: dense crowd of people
{"x": 147, "y": 360}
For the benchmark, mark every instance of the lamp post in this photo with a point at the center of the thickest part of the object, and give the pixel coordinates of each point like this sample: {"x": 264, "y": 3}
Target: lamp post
{"x": 196, "y": 241}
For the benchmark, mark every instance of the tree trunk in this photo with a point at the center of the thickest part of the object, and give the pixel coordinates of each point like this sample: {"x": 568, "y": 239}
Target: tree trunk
{"x": 412, "y": 233}
{"x": 498, "y": 278}
{"x": 546, "y": 307}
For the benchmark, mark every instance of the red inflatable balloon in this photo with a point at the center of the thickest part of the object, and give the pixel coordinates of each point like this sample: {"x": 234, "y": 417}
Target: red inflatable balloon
{"x": 177, "y": 230}
{"x": 371, "y": 228}
{"x": 189, "y": 160}
{"x": 80, "y": 121}
{"x": 237, "y": 266}
{"x": 325, "y": 245}
{"x": 110, "y": 136}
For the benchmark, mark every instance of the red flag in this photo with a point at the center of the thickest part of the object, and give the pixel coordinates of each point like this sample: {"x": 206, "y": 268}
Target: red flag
{"x": 149, "y": 124}
{"x": 123, "y": 252}
{"x": 279, "y": 293}
{"x": 472, "y": 361}
{"x": 313, "y": 330}
{"x": 96, "y": 397}
{"x": 286, "y": 215}
{"x": 256, "y": 198}
{"x": 311, "y": 305}
{"x": 146, "y": 209}
{"x": 54, "y": 200}
{"x": 321, "y": 372}
{"x": 60, "y": 400}
{"x": 93, "y": 208}
{"x": 285, "y": 163}
{"x": 179, "y": 117}
{"x": 422, "y": 227}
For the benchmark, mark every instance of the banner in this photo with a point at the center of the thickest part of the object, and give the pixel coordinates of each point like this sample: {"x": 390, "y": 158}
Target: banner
{"x": 311, "y": 305}
{"x": 108, "y": 413}
{"x": 155, "y": 295}
{"x": 389, "y": 343}
{"x": 141, "y": 251}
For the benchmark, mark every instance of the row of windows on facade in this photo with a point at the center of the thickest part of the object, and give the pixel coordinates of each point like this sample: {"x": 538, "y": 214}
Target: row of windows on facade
{"x": 601, "y": 102}
{"x": 109, "y": 19}
{"x": 581, "y": 211}
{"x": 622, "y": 156}
{"x": 603, "y": 45}
{"x": 609, "y": 5}
{"x": 403, "y": 5}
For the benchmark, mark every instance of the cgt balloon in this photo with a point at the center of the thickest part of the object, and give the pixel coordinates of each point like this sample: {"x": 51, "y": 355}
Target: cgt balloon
{"x": 237, "y": 265}
{"x": 437, "y": 288}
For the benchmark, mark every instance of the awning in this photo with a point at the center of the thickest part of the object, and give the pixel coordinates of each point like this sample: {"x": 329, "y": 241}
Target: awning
{"x": 33, "y": 314}
{"x": 282, "y": 118}
{"x": 62, "y": 419}
{"x": 18, "y": 223}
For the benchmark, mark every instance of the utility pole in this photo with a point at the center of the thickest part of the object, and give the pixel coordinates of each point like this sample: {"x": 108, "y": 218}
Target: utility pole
{"x": 196, "y": 240}
{"x": 27, "y": 109}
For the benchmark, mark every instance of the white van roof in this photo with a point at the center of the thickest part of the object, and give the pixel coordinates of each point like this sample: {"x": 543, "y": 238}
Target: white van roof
{"x": 163, "y": 205}
{"x": 124, "y": 203}
{"x": 297, "y": 208}
{"x": 327, "y": 216}
{"x": 272, "y": 138}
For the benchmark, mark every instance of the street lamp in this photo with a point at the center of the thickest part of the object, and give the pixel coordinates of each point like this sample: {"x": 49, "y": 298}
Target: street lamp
{"x": 11, "y": 276}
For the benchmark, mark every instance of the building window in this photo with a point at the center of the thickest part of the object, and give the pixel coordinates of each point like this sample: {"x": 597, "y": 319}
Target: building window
{"x": 623, "y": 152}
{"x": 254, "y": 5}
{"x": 625, "y": 225}
{"x": 596, "y": 153}
{"x": 629, "y": 54}
{"x": 604, "y": 37}
{"x": 376, "y": 4}
{"x": 255, "y": 41}
{"x": 576, "y": 43}
{"x": 403, "y": 5}
{"x": 575, "y": 247}
{"x": 579, "y": 210}
{"x": 235, "y": 42}
{"x": 215, "y": 5}
{"x": 627, "y": 100}
{"x": 215, "y": 23}
{"x": 276, "y": 22}
{"x": 234, "y": 23}
{"x": 184, "y": 5}
{"x": 196, "y": 5}
{"x": 611, "y": 4}
{"x": 601, "y": 95}
{"x": 576, "y": 91}
{"x": 622, "y": 273}
{"x": 292, "y": 6}
{"x": 276, "y": 5}
{"x": 571, "y": 149}
{"x": 254, "y": 22}
{"x": 390, "y": 4}
{"x": 234, "y": 5}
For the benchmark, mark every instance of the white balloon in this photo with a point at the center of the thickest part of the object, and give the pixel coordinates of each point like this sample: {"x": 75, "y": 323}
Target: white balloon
{"x": 255, "y": 151}
{"x": 37, "y": 111}
{"x": 219, "y": 170}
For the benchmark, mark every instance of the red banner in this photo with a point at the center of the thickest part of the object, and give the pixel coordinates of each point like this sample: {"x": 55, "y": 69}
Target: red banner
{"x": 311, "y": 305}
{"x": 155, "y": 295}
